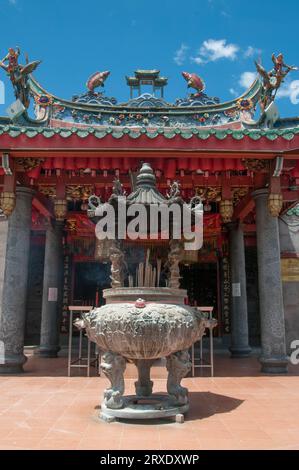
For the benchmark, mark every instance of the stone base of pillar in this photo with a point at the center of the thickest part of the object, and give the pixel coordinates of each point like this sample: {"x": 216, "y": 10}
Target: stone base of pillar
{"x": 274, "y": 366}
{"x": 49, "y": 352}
{"x": 239, "y": 352}
{"x": 13, "y": 364}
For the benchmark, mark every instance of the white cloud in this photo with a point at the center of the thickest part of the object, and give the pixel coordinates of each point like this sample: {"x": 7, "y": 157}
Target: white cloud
{"x": 290, "y": 90}
{"x": 180, "y": 54}
{"x": 197, "y": 60}
{"x": 246, "y": 79}
{"x": 12, "y": 2}
{"x": 215, "y": 49}
{"x": 252, "y": 51}
{"x": 233, "y": 92}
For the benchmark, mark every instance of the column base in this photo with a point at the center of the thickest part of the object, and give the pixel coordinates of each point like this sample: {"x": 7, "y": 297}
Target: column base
{"x": 49, "y": 352}
{"x": 274, "y": 365}
{"x": 240, "y": 352}
{"x": 13, "y": 365}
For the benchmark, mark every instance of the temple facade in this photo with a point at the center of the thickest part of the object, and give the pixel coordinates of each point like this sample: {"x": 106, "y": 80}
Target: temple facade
{"x": 244, "y": 169}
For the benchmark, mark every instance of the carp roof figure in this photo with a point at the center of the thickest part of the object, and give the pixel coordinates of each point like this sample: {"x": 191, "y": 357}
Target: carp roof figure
{"x": 194, "y": 81}
{"x": 96, "y": 80}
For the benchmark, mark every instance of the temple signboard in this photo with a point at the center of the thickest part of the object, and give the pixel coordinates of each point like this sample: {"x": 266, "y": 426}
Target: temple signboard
{"x": 290, "y": 269}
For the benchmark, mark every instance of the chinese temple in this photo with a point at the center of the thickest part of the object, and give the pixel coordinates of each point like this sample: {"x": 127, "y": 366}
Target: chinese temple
{"x": 239, "y": 157}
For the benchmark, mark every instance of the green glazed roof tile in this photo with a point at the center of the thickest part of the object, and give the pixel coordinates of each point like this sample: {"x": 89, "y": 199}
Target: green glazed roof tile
{"x": 152, "y": 133}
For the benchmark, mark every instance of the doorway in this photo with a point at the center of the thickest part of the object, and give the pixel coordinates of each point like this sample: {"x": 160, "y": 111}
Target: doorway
{"x": 90, "y": 279}
{"x": 201, "y": 282}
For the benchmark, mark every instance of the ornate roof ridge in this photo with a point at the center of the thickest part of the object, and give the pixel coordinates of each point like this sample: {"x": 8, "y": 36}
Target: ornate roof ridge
{"x": 252, "y": 92}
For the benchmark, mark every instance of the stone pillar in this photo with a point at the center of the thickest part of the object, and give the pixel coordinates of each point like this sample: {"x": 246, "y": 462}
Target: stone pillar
{"x": 239, "y": 318}
{"x": 52, "y": 291}
{"x": 273, "y": 357}
{"x": 12, "y": 325}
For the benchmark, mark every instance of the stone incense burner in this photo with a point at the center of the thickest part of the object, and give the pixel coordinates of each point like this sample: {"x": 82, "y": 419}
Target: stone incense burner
{"x": 140, "y": 325}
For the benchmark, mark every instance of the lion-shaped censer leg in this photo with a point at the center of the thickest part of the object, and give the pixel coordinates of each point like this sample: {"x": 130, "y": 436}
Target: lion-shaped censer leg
{"x": 113, "y": 365}
{"x": 178, "y": 366}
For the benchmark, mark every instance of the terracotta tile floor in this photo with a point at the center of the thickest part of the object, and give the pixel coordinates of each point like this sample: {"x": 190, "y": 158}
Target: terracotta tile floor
{"x": 237, "y": 409}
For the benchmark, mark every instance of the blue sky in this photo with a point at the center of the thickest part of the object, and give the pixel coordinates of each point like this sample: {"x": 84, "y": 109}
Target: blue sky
{"x": 218, "y": 39}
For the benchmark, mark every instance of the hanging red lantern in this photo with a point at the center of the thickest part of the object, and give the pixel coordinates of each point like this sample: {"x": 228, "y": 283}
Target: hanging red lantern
{"x": 81, "y": 163}
{"x": 34, "y": 173}
{"x": 170, "y": 170}
{"x": 130, "y": 164}
{"x": 182, "y": 165}
{"x": 58, "y": 163}
{"x": 47, "y": 165}
{"x": 116, "y": 165}
{"x": 295, "y": 171}
{"x": 217, "y": 164}
{"x": 92, "y": 163}
{"x": 194, "y": 164}
{"x": 158, "y": 166}
{"x": 69, "y": 164}
{"x": 229, "y": 164}
{"x": 238, "y": 165}
{"x": 205, "y": 164}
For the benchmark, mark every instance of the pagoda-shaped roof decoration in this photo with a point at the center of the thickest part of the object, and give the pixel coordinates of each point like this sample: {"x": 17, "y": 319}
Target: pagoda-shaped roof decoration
{"x": 146, "y": 188}
{"x": 146, "y": 77}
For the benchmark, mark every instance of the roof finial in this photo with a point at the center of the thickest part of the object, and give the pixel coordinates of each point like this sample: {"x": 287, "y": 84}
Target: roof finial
{"x": 97, "y": 79}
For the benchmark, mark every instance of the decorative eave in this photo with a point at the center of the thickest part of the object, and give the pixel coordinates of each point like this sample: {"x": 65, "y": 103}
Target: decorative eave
{"x": 287, "y": 134}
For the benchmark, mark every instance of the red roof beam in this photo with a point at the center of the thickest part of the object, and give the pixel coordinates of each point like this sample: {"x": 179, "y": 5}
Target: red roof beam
{"x": 42, "y": 205}
{"x": 243, "y": 208}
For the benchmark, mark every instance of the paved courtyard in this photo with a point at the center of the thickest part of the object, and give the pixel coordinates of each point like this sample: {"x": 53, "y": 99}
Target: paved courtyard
{"x": 237, "y": 409}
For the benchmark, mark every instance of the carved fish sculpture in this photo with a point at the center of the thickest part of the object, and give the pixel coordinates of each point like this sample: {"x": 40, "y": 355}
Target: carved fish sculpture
{"x": 194, "y": 81}
{"x": 97, "y": 79}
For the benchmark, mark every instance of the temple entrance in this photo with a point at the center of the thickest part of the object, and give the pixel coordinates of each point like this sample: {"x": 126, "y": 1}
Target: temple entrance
{"x": 90, "y": 279}
{"x": 201, "y": 282}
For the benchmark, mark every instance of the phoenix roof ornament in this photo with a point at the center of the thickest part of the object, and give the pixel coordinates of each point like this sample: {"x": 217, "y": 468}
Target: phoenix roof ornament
{"x": 18, "y": 74}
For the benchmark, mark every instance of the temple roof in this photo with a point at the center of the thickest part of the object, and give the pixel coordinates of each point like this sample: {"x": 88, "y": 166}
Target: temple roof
{"x": 194, "y": 115}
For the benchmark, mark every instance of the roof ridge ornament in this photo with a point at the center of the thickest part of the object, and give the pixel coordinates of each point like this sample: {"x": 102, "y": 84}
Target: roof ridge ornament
{"x": 18, "y": 74}
{"x": 194, "y": 81}
{"x": 273, "y": 79}
{"x": 199, "y": 98}
{"x": 146, "y": 77}
{"x": 96, "y": 80}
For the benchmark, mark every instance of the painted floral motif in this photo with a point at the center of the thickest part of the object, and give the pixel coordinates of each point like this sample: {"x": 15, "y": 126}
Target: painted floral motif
{"x": 245, "y": 104}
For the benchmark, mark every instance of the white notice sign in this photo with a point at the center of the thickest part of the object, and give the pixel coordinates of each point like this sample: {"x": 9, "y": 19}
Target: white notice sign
{"x": 236, "y": 289}
{"x": 53, "y": 294}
